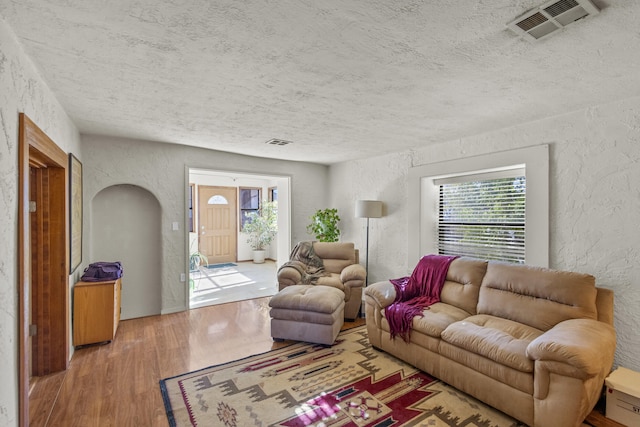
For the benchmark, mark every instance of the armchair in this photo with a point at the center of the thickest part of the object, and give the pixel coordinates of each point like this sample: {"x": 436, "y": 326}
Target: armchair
{"x": 339, "y": 268}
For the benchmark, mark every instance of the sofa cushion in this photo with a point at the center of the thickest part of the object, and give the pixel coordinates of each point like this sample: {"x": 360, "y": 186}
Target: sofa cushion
{"x": 437, "y": 318}
{"x": 462, "y": 285}
{"x": 519, "y": 380}
{"x": 501, "y": 340}
{"x": 535, "y": 296}
{"x": 426, "y": 330}
{"x": 335, "y": 255}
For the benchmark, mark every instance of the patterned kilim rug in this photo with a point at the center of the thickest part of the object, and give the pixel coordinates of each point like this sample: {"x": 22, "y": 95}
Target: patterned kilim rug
{"x": 348, "y": 384}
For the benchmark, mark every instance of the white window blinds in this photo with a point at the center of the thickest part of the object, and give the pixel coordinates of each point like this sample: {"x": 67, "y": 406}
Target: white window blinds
{"x": 483, "y": 216}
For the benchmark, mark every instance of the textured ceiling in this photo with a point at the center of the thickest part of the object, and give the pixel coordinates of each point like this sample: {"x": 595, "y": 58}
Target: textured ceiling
{"x": 341, "y": 79}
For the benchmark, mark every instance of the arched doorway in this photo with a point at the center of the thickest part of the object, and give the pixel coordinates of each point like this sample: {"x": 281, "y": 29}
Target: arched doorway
{"x": 126, "y": 226}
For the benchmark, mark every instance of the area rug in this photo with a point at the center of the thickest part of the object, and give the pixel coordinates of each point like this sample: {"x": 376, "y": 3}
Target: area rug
{"x": 223, "y": 265}
{"x": 348, "y": 384}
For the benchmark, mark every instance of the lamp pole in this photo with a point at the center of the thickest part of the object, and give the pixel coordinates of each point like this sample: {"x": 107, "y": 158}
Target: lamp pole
{"x": 366, "y": 258}
{"x": 368, "y": 209}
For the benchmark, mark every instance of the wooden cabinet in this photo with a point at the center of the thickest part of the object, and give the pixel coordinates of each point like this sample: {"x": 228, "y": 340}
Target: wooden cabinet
{"x": 96, "y": 311}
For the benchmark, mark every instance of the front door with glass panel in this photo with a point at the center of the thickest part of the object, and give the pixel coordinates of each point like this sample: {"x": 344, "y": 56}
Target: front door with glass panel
{"x": 217, "y": 226}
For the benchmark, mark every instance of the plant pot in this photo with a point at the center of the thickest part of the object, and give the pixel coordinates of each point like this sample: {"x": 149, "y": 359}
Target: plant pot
{"x": 258, "y": 256}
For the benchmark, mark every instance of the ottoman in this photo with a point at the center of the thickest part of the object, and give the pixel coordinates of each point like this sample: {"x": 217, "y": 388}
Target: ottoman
{"x": 307, "y": 313}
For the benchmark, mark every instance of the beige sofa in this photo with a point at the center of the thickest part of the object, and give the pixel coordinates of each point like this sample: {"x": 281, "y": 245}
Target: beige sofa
{"x": 340, "y": 260}
{"x": 531, "y": 342}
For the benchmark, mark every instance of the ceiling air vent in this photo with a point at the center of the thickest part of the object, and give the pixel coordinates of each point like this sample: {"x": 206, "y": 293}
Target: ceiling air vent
{"x": 276, "y": 141}
{"x": 550, "y": 17}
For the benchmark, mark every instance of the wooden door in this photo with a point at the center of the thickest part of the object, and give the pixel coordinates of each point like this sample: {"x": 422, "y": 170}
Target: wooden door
{"x": 217, "y": 224}
{"x": 43, "y": 259}
{"x": 49, "y": 274}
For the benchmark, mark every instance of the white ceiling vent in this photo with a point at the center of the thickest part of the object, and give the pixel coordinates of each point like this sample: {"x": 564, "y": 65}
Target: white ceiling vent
{"x": 276, "y": 141}
{"x": 550, "y": 17}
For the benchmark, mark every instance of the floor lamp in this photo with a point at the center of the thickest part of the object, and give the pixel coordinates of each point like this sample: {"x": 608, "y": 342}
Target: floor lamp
{"x": 368, "y": 209}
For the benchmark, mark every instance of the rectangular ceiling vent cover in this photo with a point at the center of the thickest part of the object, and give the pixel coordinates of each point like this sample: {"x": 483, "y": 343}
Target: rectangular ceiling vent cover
{"x": 276, "y": 141}
{"x": 551, "y": 17}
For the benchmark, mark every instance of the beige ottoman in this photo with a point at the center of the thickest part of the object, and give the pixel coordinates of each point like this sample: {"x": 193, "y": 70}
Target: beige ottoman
{"x": 307, "y": 313}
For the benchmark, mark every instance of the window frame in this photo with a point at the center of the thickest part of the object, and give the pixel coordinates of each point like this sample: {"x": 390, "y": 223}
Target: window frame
{"x": 272, "y": 191}
{"x": 191, "y": 210}
{"x": 241, "y": 210}
{"x": 424, "y": 194}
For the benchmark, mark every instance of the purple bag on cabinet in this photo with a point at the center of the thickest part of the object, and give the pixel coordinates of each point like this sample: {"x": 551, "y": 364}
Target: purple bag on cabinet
{"x": 102, "y": 272}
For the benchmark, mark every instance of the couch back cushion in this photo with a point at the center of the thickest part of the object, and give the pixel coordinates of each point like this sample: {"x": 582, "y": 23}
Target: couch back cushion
{"x": 535, "y": 296}
{"x": 462, "y": 285}
{"x": 335, "y": 255}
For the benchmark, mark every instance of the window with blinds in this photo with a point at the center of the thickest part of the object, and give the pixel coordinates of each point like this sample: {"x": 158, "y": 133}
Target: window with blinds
{"x": 483, "y": 216}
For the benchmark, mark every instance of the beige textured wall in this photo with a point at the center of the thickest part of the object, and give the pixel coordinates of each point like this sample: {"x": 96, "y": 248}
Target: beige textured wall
{"x": 21, "y": 90}
{"x": 125, "y": 226}
{"x": 594, "y": 201}
{"x": 160, "y": 169}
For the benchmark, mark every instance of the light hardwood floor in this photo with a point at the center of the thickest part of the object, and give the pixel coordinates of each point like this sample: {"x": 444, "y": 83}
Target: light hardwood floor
{"x": 117, "y": 384}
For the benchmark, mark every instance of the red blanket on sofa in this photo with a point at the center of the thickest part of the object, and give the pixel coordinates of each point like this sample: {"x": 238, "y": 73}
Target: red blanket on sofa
{"x": 416, "y": 293}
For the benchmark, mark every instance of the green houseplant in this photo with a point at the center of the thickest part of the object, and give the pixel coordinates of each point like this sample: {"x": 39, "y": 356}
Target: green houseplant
{"x": 324, "y": 225}
{"x": 196, "y": 258}
{"x": 261, "y": 228}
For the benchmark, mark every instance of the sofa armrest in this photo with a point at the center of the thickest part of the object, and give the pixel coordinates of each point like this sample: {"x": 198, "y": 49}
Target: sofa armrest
{"x": 377, "y": 297}
{"x": 382, "y": 294}
{"x": 353, "y": 275}
{"x": 288, "y": 276}
{"x": 585, "y": 344}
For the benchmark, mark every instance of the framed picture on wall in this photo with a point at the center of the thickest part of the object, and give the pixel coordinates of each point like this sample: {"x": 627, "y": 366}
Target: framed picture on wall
{"x": 75, "y": 213}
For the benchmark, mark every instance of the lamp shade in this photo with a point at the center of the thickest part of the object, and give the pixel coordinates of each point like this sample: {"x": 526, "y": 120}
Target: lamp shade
{"x": 368, "y": 209}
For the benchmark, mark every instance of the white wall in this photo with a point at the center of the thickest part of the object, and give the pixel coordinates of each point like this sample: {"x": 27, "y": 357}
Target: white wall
{"x": 160, "y": 169}
{"x": 21, "y": 90}
{"x": 594, "y": 201}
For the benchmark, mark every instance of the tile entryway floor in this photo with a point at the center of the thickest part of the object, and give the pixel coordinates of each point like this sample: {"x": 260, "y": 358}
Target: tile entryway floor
{"x": 242, "y": 281}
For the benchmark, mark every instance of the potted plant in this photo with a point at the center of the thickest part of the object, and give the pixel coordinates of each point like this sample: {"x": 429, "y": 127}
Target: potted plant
{"x": 197, "y": 259}
{"x": 261, "y": 227}
{"x": 324, "y": 225}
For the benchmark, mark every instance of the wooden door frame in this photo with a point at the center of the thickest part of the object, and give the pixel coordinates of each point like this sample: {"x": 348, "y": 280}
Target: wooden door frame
{"x": 36, "y": 149}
